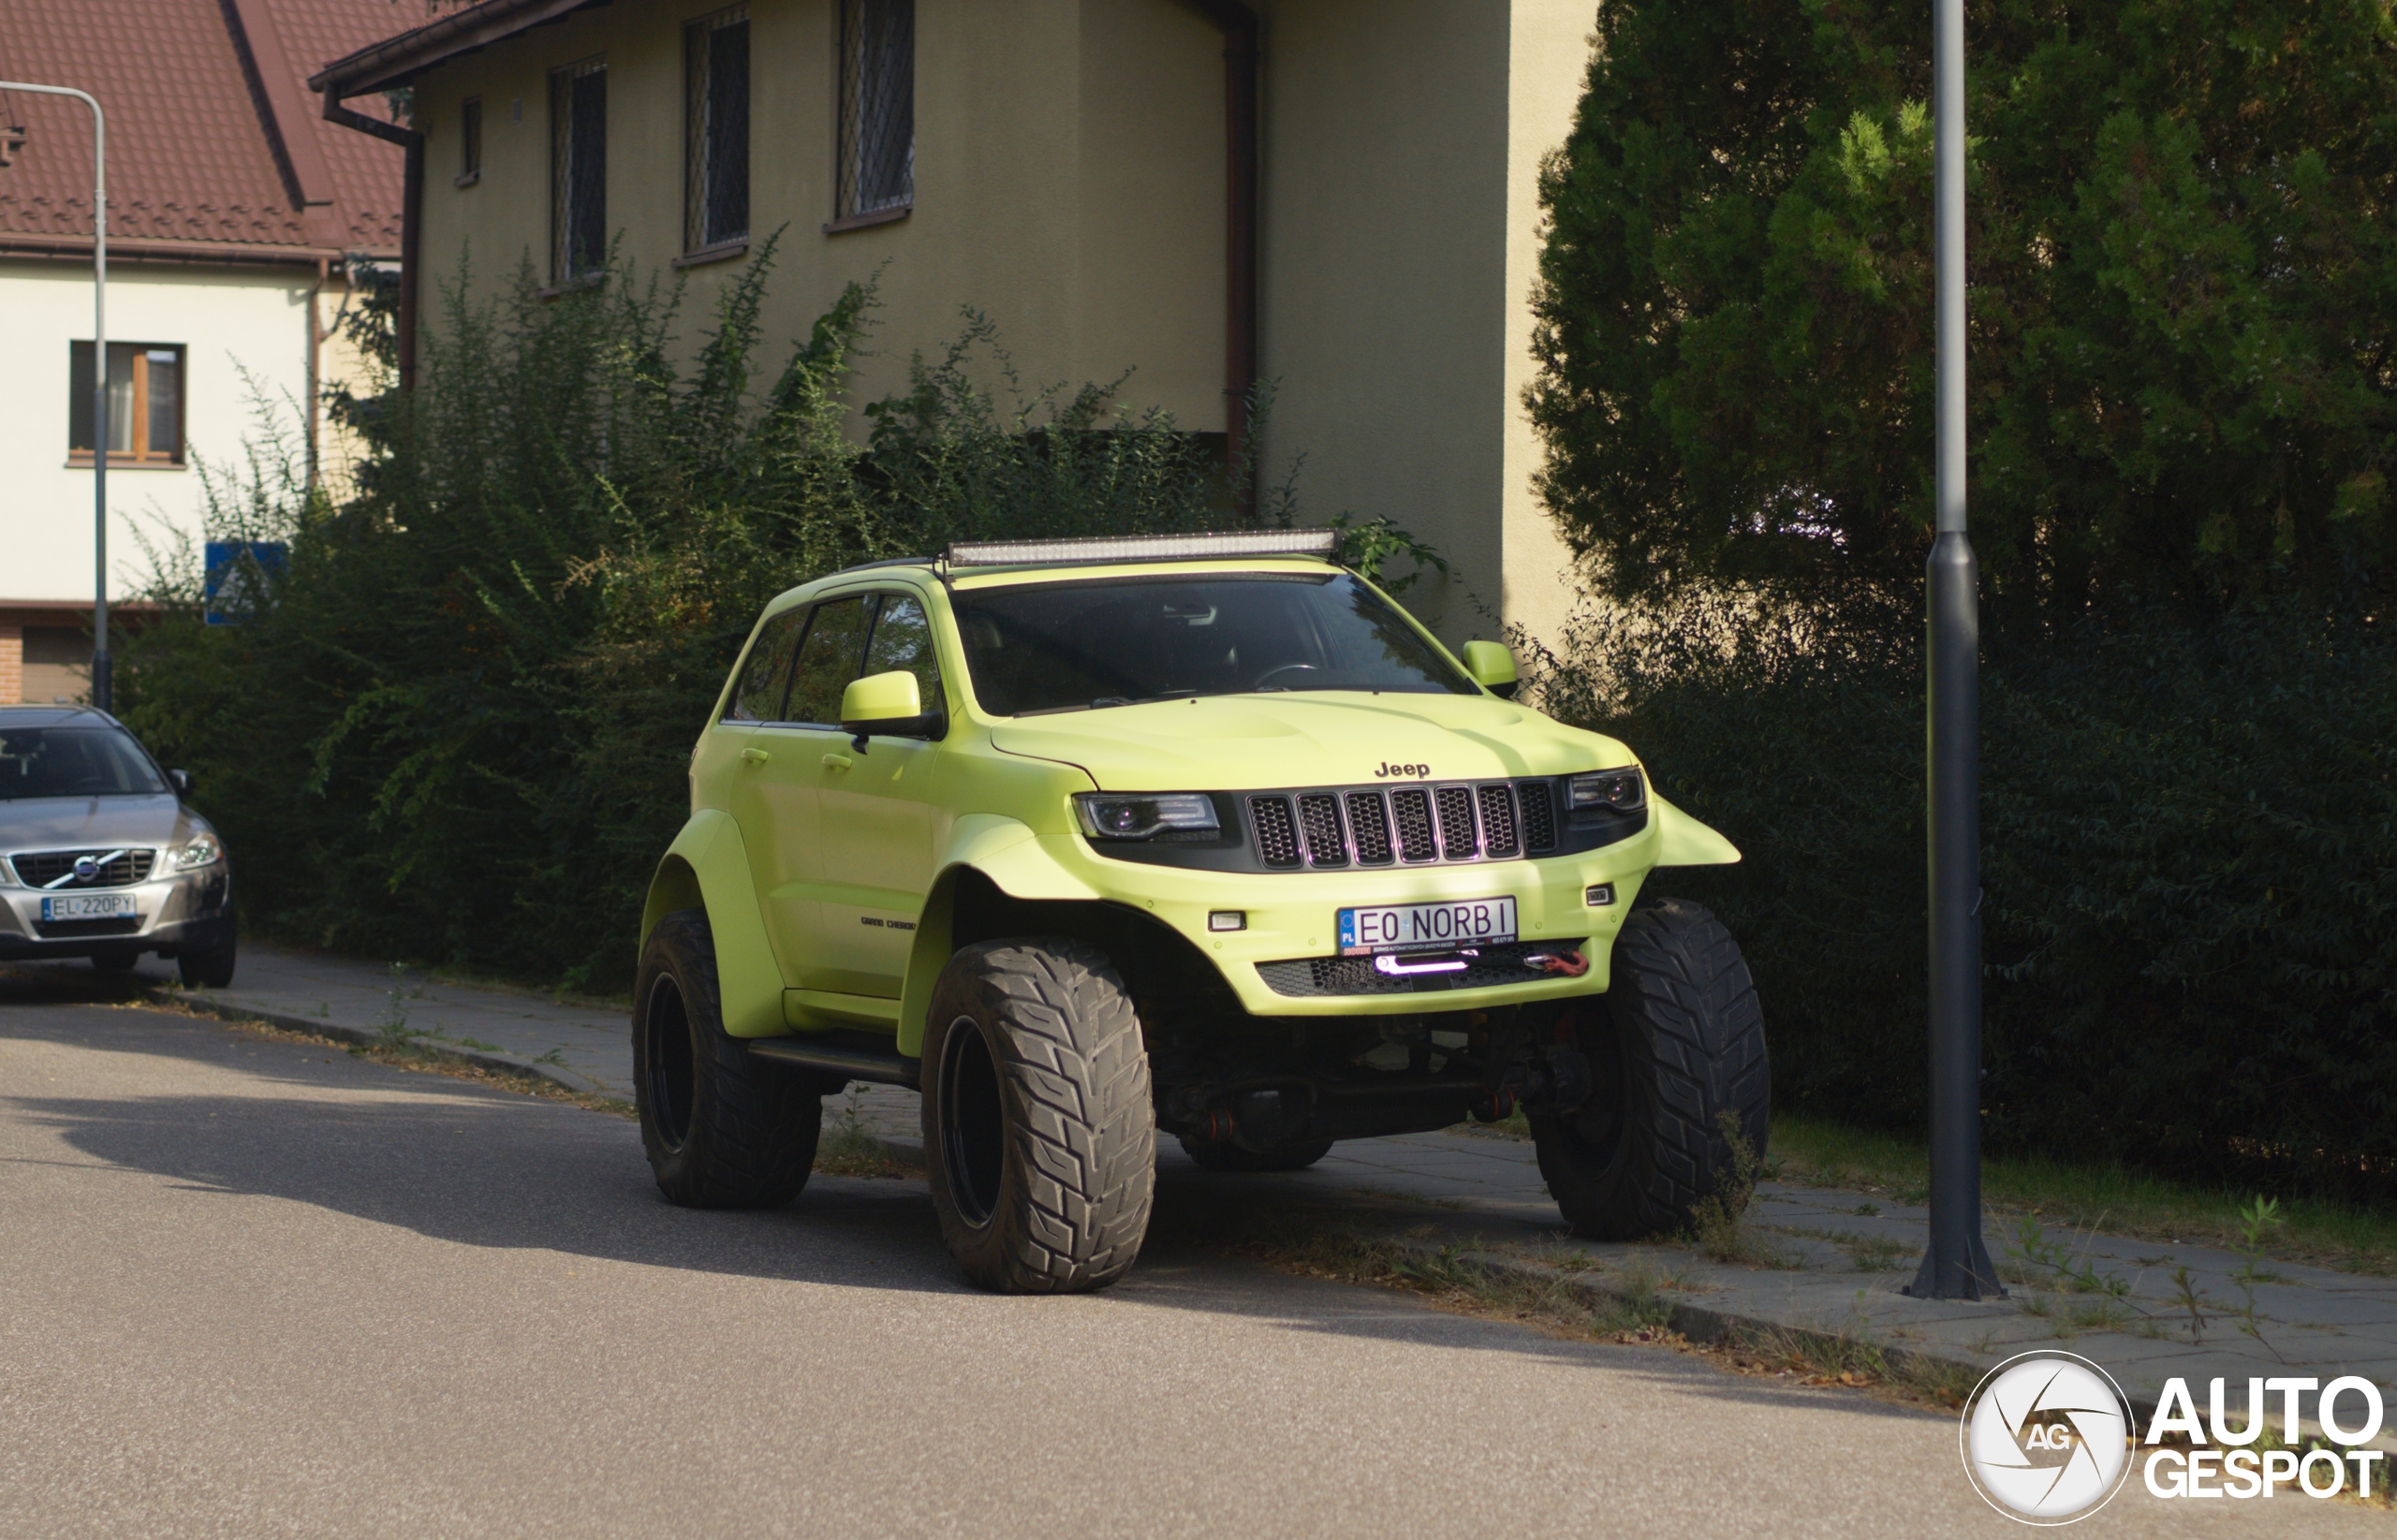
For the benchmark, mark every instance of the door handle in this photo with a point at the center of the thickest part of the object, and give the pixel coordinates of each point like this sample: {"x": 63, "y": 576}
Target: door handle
{"x": 755, "y": 757}
{"x": 838, "y": 761}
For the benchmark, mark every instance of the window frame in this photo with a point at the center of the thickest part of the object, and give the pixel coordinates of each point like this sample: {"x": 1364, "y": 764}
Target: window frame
{"x": 851, "y": 209}
{"x": 139, "y": 453}
{"x": 698, "y": 98}
{"x": 470, "y": 141}
{"x": 564, "y": 273}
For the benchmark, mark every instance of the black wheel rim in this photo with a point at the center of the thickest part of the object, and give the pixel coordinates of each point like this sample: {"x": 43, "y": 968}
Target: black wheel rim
{"x": 1597, "y": 1123}
{"x": 973, "y": 1133}
{"x": 669, "y": 1062}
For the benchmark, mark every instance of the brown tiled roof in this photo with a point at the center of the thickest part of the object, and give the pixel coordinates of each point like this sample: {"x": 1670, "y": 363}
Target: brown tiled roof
{"x": 215, "y": 146}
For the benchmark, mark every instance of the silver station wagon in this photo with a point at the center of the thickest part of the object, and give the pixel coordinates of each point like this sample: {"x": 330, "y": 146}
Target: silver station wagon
{"x": 99, "y": 857}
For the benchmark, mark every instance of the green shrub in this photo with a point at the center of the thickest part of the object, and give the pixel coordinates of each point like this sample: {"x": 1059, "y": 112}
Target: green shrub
{"x": 2190, "y": 860}
{"x": 460, "y": 727}
{"x": 2183, "y": 295}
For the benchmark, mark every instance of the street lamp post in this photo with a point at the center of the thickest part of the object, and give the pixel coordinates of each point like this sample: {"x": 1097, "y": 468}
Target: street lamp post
{"x": 1957, "y": 1265}
{"x": 101, "y": 694}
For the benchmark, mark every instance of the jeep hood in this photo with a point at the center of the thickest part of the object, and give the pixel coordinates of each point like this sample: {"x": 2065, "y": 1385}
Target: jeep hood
{"x": 1306, "y": 739}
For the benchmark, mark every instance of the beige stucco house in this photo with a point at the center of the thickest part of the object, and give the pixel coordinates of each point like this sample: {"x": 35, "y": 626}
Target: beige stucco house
{"x": 1337, "y": 195}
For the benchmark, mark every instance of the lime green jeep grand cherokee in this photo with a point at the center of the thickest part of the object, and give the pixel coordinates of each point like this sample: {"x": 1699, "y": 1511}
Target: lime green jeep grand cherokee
{"x": 1088, "y": 839}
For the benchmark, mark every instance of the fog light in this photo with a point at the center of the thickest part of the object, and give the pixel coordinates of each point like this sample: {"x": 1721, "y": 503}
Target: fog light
{"x": 1599, "y": 895}
{"x": 1227, "y": 920}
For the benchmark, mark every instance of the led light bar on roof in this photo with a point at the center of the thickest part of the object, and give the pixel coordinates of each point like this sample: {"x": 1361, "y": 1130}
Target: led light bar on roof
{"x": 1147, "y": 547}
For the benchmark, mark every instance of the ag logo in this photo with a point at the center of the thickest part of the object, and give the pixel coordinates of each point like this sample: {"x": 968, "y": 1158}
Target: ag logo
{"x": 86, "y": 869}
{"x": 2046, "y": 1438}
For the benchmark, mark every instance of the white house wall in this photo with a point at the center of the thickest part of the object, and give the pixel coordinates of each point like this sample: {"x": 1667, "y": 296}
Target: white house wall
{"x": 226, "y": 320}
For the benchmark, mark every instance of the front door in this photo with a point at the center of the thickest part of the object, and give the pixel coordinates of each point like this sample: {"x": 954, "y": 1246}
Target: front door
{"x": 879, "y": 811}
{"x": 778, "y": 805}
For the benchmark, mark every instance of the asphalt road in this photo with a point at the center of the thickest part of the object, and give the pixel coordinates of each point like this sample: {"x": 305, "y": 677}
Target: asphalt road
{"x": 251, "y": 1289}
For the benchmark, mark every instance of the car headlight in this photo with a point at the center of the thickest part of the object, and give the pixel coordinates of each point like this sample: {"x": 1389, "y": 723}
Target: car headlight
{"x": 1616, "y": 790}
{"x": 200, "y": 850}
{"x": 1143, "y": 815}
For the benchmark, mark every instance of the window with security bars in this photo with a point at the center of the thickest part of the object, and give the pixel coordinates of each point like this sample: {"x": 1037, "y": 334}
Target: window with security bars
{"x": 877, "y": 131}
{"x": 578, "y": 170}
{"x": 716, "y": 153}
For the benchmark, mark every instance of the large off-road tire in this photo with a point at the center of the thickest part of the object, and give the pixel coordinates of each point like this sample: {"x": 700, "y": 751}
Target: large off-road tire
{"x": 1222, "y": 1155}
{"x": 212, "y": 970}
{"x": 1677, "y": 1041}
{"x": 723, "y": 1130}
{"x": 1039, "y": 1136}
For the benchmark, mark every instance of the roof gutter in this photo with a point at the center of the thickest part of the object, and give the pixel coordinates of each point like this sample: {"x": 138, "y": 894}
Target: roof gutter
{"x": 1242, "y": 54}
{"x": 411, "y": 210}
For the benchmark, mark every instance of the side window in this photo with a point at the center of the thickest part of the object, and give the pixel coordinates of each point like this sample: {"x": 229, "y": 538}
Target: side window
{"x": 760, "y": 698}
{"x": 903, "y": 639}
{"x": 827, "y": 660}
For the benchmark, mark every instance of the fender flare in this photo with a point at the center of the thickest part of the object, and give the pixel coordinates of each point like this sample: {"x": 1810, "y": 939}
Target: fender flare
{"x": 1682, "y": 840}
{"x": 707, "y": 867}
{"x": 1013, "y": 857}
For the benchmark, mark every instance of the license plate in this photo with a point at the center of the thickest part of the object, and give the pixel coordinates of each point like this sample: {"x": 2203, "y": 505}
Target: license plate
{"x": 87, "y": 906}
{"x": 1426, "y": 927}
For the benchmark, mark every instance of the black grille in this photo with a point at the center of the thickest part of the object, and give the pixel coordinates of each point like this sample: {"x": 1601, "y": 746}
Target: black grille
{"x": 1340, "y": 976}
{"x": 1498, "y": 821}
{"x": 67, "y": 929}
{"x": 1277, "y": 838}
{"x": 1539, "y": 814}
{"x": 1456, "y": 822}
{"x": 41, "y": 870}
{"x": 1369, "y": 825}
{"x": 1319, "y": 816}
{"x": 1413, "y": 812}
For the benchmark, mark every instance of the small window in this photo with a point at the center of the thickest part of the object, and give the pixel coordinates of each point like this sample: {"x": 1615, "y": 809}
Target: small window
{"x": 145, "y": 402}
{"x": 827, "y": 661}
{"x": 767, "y": 674}
{"x": 903, "y": 639}
{"x": 715, "y": 155}
{"x": 577, "y": 171}
{"x": 877, "y": 174}
{"x": 470, "y": 141}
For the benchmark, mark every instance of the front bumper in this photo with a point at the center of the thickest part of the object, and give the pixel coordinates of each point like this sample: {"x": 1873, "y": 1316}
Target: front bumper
{"x": 1291, "y": 918}
{"x": 187, "y": 912}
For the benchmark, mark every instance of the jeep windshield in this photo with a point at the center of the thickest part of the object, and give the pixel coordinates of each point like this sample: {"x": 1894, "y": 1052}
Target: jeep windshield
{"x": 1117, "y": 641}
{"x": 74, "y": 762}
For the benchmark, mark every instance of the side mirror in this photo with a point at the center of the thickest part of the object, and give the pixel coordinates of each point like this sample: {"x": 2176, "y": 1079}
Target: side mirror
{"x": 180, "y": 781}
{"x": 889, "y": 704}
{"x": 1492, "y": 667}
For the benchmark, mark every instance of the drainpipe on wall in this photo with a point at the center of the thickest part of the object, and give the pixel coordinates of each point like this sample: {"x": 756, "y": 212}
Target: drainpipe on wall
{"x": 1240, "y": 61}
{"x": 411, "y": 213}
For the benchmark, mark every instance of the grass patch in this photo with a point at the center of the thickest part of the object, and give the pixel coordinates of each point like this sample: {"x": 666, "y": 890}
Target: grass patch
{"x": 1719, "y": 1224}
{"x": 849, "y": 1149}
{"x": 2122, "y": 1202}
{"x": 1550, "y": 1301}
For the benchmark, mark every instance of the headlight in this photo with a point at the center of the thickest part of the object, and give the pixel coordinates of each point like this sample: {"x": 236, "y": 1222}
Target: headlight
{"x": 201, "y": 850}
{"x": 1617, "y": 790}
{"x": 1106, "y": 816}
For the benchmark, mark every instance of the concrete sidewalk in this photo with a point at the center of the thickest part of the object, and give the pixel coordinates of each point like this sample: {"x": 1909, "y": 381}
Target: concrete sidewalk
{"x": 2147, "y": 1311}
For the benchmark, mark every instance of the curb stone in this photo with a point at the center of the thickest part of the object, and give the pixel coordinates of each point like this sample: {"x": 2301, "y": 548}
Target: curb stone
{"x": 431, "y": 1047}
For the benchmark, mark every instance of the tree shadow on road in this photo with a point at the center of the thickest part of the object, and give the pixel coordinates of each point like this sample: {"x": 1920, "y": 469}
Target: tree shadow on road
{"x": 457, "y": 1162}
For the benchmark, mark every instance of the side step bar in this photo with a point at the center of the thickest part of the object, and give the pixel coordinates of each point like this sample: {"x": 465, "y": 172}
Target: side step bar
{"x": 855, "y": 1056}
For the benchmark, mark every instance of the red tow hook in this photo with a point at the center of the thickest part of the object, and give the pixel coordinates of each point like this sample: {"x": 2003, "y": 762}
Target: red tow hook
{"x": 1564, "y": 964}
